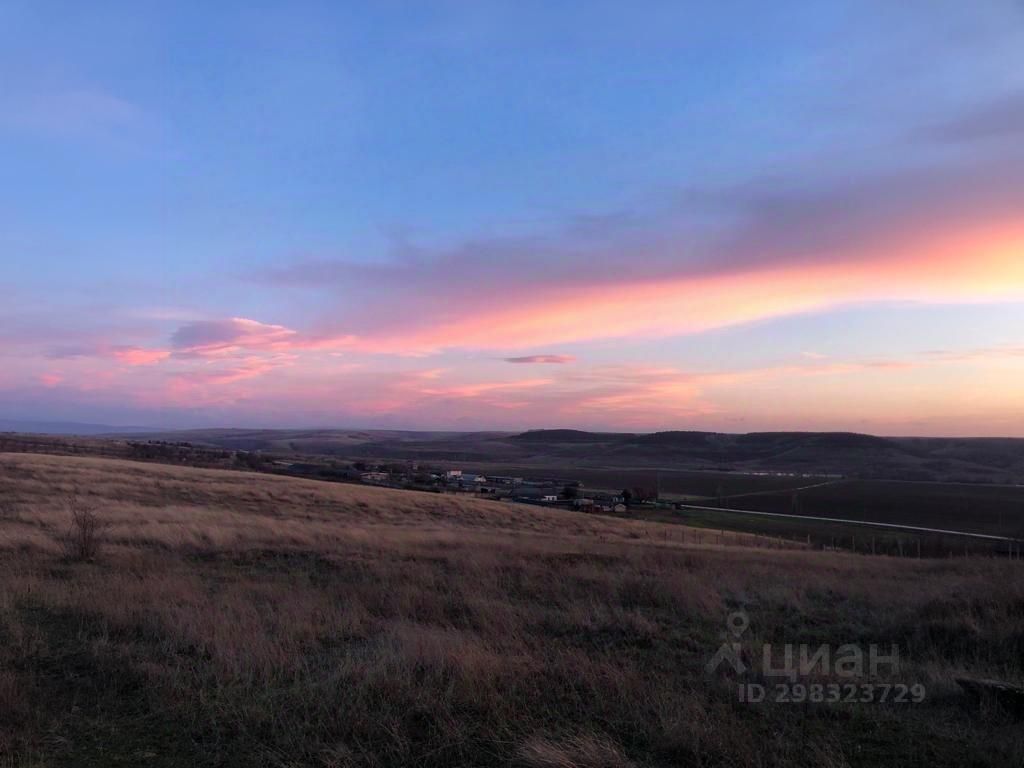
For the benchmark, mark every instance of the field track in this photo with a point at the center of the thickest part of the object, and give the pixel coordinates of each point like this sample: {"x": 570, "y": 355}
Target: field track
{"x": 868, "y": 523}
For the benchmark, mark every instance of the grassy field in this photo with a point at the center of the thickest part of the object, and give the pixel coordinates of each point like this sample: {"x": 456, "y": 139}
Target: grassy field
{"x": 824, "y": 535}
{"x": 974, "y": 508}
{"x": 238, "y": 619}
{"x": 989, "y": 509}
{"x": 978, "y": 508}
{"x": 681, "y": 482}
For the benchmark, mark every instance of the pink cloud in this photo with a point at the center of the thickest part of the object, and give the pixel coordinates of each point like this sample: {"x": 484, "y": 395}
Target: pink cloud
{"x": 139, "y": 355}
{"x": 237, "y": 370}
{"x": 476, "y": 390}
{"x": 290, "y": 390}
{"x": 707, "y": 259}
{"x": 977, "y": 265}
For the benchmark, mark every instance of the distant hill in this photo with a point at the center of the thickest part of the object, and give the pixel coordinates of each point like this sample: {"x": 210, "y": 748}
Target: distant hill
{"x": 845, "y": 453}
{"x": 568, "y": 436}
{"x": 851, "y": 454}
{"x": 65, "y": 428}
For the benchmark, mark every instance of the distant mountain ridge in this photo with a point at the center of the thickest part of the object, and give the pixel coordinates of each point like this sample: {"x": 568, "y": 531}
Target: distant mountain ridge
{"x": 66, "y": 428}
{"x": 569, "y": 436}
{"x": 999, "y": 460}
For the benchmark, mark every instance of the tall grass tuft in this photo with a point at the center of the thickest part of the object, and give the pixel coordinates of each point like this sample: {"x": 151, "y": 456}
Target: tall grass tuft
{"x": 83, "y": 540}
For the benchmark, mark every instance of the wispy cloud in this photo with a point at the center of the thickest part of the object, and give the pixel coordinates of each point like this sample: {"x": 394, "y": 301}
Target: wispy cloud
{"x": 240, "y": 370}
{"x": 302, "y": 388}
{"x": 211, "y": 338}
{"x": 1001, "y": 118}
{"x": 126, "y": 354}
{"x": 548, "y": 359}
{"x": 708, "y": 259}
{"x": 1006, "y": 352}
{"x": 140, "y": 355}
{"x": 80, "y": 111}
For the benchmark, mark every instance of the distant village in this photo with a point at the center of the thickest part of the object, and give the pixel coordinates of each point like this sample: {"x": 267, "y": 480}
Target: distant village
{"x": 547, "y": 491}
{"x": 564, "y": 492}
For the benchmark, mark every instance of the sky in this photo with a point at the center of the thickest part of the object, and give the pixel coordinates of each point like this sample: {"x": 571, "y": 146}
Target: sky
{"x": 509, "y": 215}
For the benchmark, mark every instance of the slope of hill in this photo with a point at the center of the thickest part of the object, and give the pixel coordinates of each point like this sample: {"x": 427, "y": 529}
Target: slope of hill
{"x": 236, "y": 619}
{"x": 171, "y": 504}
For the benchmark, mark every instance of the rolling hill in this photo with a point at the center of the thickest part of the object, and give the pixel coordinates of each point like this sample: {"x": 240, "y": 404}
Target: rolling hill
{"x": 235, "y": 620}
{"x": 990, "y": 460}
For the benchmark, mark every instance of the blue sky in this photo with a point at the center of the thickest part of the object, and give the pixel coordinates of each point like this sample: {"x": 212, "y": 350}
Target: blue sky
{"x": 416, "y": 192}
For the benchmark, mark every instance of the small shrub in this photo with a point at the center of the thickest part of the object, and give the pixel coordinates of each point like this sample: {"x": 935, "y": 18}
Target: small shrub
{"x": 84, "y": 538}
{"x": 7, "y": 511}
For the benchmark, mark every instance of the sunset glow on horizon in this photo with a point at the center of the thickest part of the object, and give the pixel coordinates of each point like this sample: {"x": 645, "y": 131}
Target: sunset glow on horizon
{"x": 683, "y": 225}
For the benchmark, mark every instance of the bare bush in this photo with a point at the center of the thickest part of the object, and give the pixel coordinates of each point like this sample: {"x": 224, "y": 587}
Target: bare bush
{"x": 84, "y": 538}
{"x": 7, "y": 511}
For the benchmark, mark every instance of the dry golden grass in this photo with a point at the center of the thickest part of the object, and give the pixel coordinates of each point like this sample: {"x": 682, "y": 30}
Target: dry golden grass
{"x": 157, "y": 505}
{"x": 241, "y": 619}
